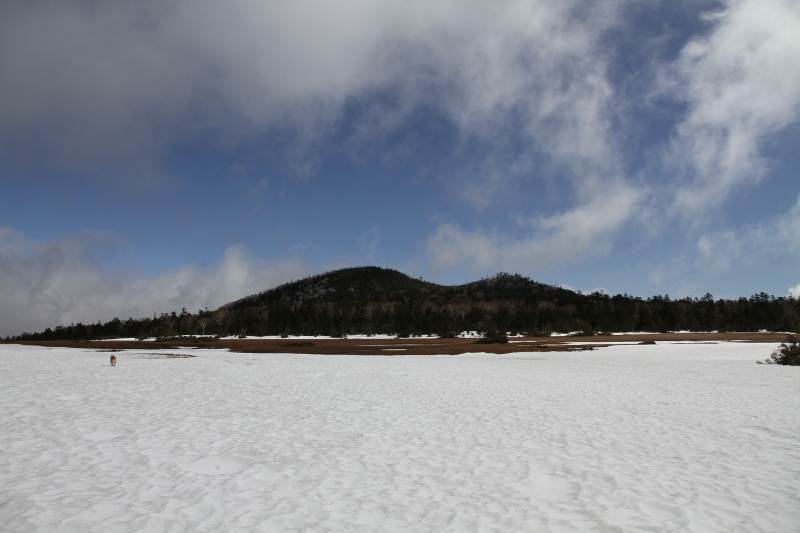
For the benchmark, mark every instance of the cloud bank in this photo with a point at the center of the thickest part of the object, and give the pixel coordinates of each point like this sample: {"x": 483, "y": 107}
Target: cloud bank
{"x": 102, "y": 85}
{"x": 526, "y": 86}
{"x": 84, "y": 277}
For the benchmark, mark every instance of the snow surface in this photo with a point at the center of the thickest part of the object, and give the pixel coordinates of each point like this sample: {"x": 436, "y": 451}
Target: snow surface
{"x": 668, "y": 437}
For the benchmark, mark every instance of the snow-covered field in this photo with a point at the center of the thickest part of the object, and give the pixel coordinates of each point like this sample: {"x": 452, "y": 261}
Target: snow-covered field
{"x": 671, "y": 437}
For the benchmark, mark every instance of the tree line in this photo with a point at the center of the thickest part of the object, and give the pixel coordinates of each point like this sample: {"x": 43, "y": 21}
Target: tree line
{"x": 371, "y": 300}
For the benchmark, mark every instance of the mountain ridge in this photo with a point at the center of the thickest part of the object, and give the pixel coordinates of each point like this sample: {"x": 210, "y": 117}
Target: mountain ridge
{"x": 370, "y": 300}
{"x": 381, "y": 284}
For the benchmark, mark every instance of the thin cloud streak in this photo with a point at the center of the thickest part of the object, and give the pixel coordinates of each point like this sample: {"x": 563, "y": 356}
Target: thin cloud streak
{"x": 775, "y": 237}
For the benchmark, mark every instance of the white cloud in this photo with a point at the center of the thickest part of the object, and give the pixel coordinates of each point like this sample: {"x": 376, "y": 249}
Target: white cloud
{"x": 525, "y": 85}
{"x": 81, "y": 278}
{"x": 774, "y": 237}
{"x": 795, "y": 291}
{"x": 742, "y": 84}
{"x": 103, "y": 85}
{"x": 720, "y": 249}
{"x": 450, "y": 246}
{"x": 784, "y": 232}
{"x": 576, "y": 235}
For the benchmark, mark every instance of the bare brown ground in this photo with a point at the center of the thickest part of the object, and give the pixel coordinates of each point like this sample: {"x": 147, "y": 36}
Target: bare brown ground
{"x": 415, "y": 346}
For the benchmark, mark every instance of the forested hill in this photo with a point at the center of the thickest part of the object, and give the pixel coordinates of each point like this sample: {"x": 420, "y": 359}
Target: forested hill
{"x": 366, "y": 285}
{"x": 373, "y": 300}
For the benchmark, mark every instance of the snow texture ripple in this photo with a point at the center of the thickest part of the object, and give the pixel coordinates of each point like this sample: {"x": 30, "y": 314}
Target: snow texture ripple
{"x": 627, "y": 438}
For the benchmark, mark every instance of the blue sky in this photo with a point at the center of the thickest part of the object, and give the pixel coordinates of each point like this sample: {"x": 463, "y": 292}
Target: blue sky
{"x": 157, "y": 155}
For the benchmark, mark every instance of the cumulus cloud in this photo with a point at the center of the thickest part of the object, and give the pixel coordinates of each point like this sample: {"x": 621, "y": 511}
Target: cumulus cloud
{"x": 83, "y": 277}
{"x": 575, "y": 235}
{"x": 795, "y": 291}
{"x": 742, "y": 84}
